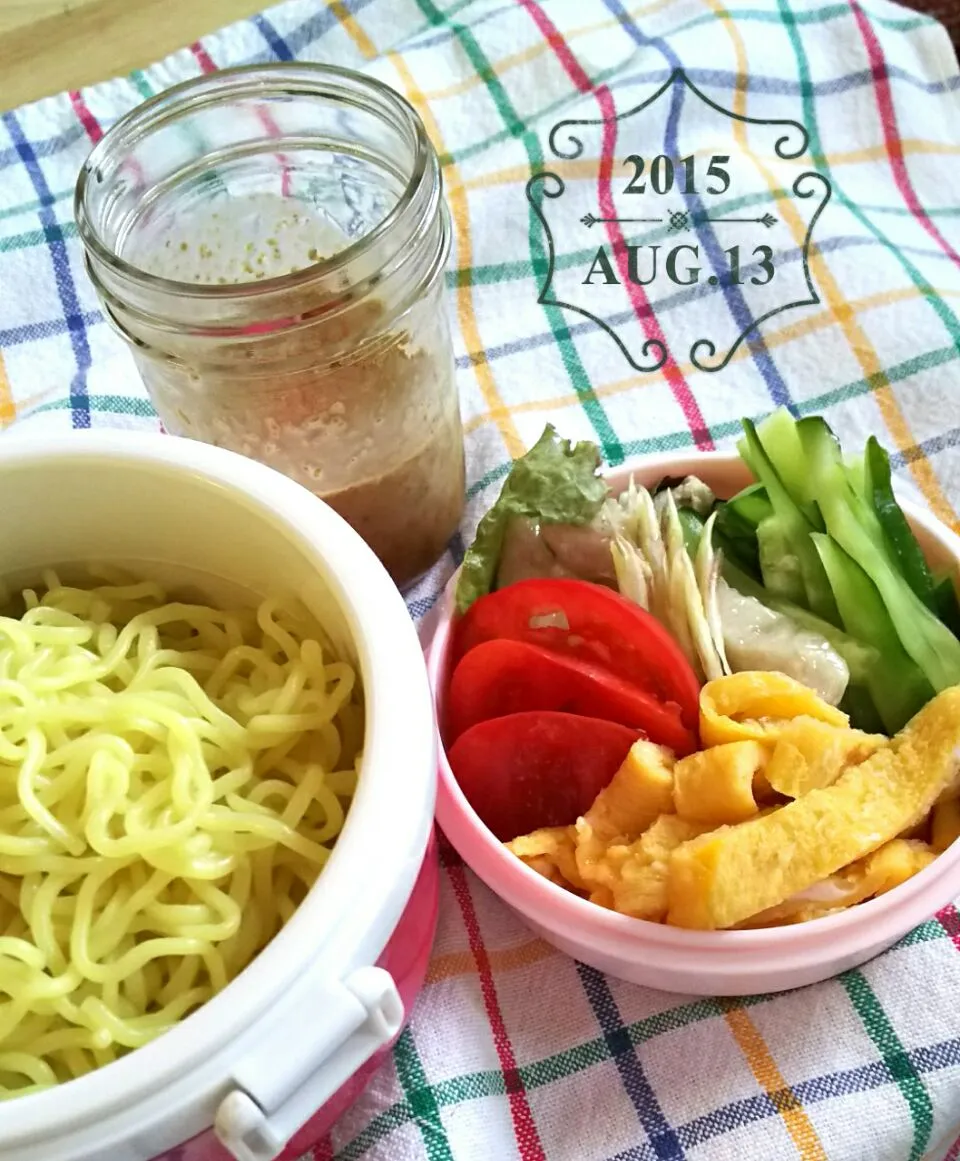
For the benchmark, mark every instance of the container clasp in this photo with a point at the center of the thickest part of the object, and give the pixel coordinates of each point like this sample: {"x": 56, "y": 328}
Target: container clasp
{"x": 296, "y": 1069}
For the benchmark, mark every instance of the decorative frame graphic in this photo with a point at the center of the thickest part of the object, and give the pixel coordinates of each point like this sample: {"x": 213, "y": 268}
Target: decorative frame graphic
{"x": 552, "y": 186}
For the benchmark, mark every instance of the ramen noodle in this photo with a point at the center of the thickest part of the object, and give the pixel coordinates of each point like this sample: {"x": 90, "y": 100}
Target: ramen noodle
{"x": 172, "y": 779}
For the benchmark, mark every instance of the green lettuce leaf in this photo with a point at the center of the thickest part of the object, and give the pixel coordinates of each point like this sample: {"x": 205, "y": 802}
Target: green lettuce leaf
{"x": 555, "y": 482}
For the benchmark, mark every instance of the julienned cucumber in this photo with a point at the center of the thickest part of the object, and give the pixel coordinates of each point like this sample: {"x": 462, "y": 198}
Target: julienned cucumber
{"x": 865, "y": 618}
{"x": 856, "y": 529}
{"x": 946, "y": 603}
{"x": 750, "y": 506}
{"x": 779, "y": 563}
{"x": 855, "y": 468}
{"x": 786, "y": 549}
{"x": 692, "y": 526}
{"x": 858, "y": 705}
{"x": 735, "y": 531}
{"x": 902, "y": 624}
{"x": 778, "y": 438}
{"x": 902, "y": 544}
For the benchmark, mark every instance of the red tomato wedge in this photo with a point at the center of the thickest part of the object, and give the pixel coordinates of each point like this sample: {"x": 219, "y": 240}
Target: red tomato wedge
{"x": 504, "y": 677}
{"x": 528, "y": 770}
{"x": 588, "y": 623}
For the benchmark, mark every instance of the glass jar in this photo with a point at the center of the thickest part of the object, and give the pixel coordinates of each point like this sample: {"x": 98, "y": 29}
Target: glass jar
{"x": 271, "y": 241}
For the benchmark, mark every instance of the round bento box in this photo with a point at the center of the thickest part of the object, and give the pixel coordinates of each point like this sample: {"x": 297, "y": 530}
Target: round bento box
{"x": 262, "y": 1069}
{"x": 670, "y": 958}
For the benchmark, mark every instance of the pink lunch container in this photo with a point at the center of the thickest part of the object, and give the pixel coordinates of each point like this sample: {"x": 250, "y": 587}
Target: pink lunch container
{"x": 706, "y": 963}
{"x": 263, "y": 1069}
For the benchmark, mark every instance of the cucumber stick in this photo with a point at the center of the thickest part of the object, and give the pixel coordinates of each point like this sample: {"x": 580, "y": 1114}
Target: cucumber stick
{"x": 692, "y": 526}
{"x": 946, "y": 602}
{"x": 778, "y": 437}
{"x": 858, "y": 705}
{"x": 779, "y": 564}
{"x": 749, "y": 507}
{"x": 901, "y": 543}
{"x": 855, "y": 528}
{"x": 896, "y": 685}
{"x": 735, "y": 530}
{"x": 788, "y": 531}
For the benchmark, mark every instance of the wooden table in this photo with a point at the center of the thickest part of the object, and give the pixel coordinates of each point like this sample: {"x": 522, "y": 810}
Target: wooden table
{"x": 50, "y": 45}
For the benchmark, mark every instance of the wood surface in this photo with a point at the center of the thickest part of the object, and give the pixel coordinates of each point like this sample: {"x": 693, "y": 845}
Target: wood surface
{"x": 47, "y": 46}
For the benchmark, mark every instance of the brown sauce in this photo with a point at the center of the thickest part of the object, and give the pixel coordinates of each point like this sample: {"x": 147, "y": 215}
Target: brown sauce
{"x": 408, "y": 513}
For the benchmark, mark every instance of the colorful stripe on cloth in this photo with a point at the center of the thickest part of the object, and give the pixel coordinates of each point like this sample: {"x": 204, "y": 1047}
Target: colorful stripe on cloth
{"x": 515, "y": 1051}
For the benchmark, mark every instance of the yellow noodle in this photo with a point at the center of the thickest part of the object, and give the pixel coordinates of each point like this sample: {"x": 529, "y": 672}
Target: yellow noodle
{"x": 30, "y": 1065}
{"x": 172, "y": 777}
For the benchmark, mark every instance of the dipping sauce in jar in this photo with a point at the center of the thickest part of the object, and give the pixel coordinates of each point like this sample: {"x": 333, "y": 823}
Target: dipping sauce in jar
{"x": 271, "y": 242}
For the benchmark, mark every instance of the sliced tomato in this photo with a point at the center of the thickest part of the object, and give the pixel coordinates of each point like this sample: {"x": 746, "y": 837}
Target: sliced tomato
{"x": 503, "y": 677}
{"x": 529, "y": 770}
{"x": 591, "y": 624}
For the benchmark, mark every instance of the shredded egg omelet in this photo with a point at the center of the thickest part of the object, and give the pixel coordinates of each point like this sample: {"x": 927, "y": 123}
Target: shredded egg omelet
{"x": 786, "y": 815}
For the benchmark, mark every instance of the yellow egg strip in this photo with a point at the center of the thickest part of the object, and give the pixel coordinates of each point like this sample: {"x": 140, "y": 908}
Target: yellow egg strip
{"x": 717, "y": 785}
{"x": 636, "y": 874}
{"x": 712, "y": 840}
{"x": 641, "y": 789}
{"x": 809, "y": 754}
{"x": 724, "y": 877}
{"x": 751, "y": 706}
{"x": 551, "y": 852}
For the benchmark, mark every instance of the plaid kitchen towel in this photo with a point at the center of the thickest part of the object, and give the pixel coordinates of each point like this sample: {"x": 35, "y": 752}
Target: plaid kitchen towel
{"x": 792, "y": 161}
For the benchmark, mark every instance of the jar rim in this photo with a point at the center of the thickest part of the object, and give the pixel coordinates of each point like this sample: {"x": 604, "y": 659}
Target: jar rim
{"x": 292, "y": 78}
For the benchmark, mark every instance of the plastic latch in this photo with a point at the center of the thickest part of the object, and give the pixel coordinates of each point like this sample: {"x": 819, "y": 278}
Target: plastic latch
{"x": 297, "y": 1068}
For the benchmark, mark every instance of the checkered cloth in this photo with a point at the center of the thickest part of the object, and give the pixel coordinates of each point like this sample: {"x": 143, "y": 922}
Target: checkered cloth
{"x": 515, "y": 1051}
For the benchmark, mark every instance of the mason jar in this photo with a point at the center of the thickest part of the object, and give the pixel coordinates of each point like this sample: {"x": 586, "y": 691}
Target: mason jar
{"x": 271, "y": 241}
